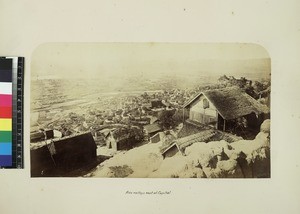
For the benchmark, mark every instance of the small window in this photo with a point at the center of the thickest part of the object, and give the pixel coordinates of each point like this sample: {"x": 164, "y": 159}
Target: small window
{"x": 205, "y": 103}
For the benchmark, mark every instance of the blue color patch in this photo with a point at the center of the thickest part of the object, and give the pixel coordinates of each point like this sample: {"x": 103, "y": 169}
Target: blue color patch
{"x": 5, "y": 148}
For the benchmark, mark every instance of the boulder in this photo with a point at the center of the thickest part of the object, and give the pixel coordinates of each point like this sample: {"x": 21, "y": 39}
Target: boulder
{"x": 228, "y": 169}
{"x": 265, "y": 126}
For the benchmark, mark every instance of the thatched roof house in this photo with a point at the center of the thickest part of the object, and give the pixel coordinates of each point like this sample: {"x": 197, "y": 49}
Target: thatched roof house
{"x": 220, "y": 105}
{"x": 231, "y": 102}
{"x": 123, "y": 138}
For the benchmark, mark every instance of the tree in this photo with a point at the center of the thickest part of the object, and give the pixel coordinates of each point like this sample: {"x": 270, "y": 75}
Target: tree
{"x": 178, "y": 116}
{"x": 129, "y": 132}
{"x": 166, "y": 118}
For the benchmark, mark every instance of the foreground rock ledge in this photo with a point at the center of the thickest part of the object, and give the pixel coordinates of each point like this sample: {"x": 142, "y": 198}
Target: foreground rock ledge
{"x": 215, "y": 159}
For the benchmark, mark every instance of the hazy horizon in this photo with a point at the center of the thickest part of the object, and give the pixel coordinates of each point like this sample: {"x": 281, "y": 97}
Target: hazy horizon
{"x": 148, "y": 60}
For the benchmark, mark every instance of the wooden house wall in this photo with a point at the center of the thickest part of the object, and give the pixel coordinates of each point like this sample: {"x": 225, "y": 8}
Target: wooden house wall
{"x": 75, "y": 151}
{"x": 202, "y": 115}
{"x": 41, "y": 162}
{"x": 125, "y": 144}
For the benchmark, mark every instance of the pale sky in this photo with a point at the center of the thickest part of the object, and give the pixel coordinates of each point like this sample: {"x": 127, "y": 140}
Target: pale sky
{"x": 93, "y": 60}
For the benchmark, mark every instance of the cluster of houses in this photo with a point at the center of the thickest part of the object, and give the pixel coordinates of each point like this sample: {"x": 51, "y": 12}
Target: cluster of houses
{"x": 126, "y": 126}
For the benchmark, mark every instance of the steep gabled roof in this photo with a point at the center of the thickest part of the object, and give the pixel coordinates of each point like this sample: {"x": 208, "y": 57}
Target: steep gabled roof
{"x": 232, "y": 102}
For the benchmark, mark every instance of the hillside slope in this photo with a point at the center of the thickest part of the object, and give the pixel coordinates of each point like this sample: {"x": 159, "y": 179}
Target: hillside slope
{"x": 215, "y": 159}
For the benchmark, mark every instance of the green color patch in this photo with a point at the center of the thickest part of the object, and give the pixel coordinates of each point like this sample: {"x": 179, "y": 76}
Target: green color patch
{"x": 5, "y": 136}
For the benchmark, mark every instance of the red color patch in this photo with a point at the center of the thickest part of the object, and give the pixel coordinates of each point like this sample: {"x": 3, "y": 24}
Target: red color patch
{"x": 5, "y": 112}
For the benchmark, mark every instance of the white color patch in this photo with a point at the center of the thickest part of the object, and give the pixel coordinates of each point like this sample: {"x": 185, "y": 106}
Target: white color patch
{"x": 5, "y": 88}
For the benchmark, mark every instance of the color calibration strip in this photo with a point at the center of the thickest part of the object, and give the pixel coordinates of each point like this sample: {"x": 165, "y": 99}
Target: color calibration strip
{"x": 6, "y": 112}
{"x": 11, "y": 112}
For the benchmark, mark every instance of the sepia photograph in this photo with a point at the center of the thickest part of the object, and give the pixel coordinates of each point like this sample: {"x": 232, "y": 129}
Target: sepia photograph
{"x": 150, "y": 110}
{"x": 156, "y": 106}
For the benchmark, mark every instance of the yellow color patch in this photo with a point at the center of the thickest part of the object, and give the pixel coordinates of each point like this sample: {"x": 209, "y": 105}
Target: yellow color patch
{"x": 5, "y": 125}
